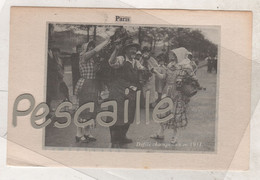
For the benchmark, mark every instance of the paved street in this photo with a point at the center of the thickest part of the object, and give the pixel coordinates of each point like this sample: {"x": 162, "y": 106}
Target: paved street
{"x": 199, "y": 135}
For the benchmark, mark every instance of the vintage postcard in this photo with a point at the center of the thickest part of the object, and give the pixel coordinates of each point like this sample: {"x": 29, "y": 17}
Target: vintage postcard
{"x": 130, "y": 88}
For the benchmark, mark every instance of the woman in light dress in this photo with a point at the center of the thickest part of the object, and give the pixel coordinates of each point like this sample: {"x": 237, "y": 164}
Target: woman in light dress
{"x": 179, "y": 66}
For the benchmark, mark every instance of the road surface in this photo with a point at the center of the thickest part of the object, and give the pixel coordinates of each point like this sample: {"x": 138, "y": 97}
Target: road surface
{"x": 199, "y": 135}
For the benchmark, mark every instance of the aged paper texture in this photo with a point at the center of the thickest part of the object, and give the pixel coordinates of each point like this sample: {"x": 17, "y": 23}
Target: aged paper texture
{"x": 127, "y": 88}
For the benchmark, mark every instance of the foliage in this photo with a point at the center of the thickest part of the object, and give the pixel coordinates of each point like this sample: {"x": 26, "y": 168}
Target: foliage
{"x": 193, "y": 40}
{"x": 155, "y": 37}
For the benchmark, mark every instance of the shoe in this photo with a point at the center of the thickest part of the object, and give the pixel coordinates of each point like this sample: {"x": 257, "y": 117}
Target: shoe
{"x": 77, "y": 138}
{"x": 81, "y": 139}
{"x": 84, "y": 140}
{"x": 115, "y": 145}
{"x": 90, "y": 138}
{"x": 157, "y": 136}
{"x": 126, "y": 141}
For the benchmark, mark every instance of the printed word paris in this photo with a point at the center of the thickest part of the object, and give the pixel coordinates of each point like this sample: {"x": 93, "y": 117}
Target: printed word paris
{"x": 123, "y": 18}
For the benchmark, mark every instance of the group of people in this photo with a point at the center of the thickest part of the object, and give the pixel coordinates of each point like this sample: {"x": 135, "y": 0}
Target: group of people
{"x": 134, "y": 69}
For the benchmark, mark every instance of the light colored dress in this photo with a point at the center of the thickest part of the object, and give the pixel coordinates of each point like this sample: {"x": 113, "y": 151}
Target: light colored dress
{"x": 179, "y": 107}
{"x": 180, "y": 101}
{"x": 160, "y": 83}
{"x": 150, "y": 83}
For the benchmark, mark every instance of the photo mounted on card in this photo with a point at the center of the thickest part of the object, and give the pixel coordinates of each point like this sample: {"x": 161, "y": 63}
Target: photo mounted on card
{"x": 147, "y": 88}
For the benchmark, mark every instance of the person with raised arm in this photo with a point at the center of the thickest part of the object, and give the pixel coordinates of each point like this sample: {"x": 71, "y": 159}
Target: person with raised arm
{"x": 179, "y": 71}
{"x": 124, "y": 86}
{"x": 86, "y": 88}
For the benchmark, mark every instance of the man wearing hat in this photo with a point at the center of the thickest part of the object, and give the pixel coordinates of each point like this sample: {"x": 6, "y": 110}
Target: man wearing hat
{"x": 124, "y": 86}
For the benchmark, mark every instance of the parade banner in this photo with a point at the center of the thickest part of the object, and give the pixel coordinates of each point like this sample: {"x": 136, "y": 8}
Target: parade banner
{"x": 128, "y": 88}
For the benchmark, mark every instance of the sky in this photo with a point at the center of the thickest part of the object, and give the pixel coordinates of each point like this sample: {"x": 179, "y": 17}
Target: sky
{"x": 212, "y": 34}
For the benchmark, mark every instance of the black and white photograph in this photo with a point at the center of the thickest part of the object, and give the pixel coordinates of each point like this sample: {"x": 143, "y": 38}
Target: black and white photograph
{"x": 132, "y": 87}
{"x": 128, "y": 91}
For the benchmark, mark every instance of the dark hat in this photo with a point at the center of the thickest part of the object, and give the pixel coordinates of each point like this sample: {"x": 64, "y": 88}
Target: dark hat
{"x": 163, "y": 49}
{"x": 146, "y": 49}
{"x": 161, "y": 57}
{"x": 130, "y": 43}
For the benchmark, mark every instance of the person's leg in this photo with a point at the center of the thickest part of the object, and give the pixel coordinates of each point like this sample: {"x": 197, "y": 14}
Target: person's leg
{"x": 174, "y": 136}
{"x": 131, "y": 116}
{"x": 81, "y": 131}
{"x": 89, "y": 94}
{"x": 88, "y": 128}
{"x": 210, "y": 68}
{"x": 161, "y": 130}
{"x": 67, "y": 94}
{"x": 115, "y": 134}
{"x": 159, "y": 97}
{"x": 112, "y": 134}
{"x": 79, "y": 134}
{"x": 64, "y": 90}
{"x": 123, "y": 131}
{"x": 74, "y": 81}
{"x": 160, "y": 133}
{"x": 87, "y": 131}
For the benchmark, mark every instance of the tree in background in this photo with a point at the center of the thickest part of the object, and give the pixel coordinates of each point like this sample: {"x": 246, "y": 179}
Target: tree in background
{"x": 157, "y": 38}
{"x": 171, "y": 38}
{"x": 193, "y": 40}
